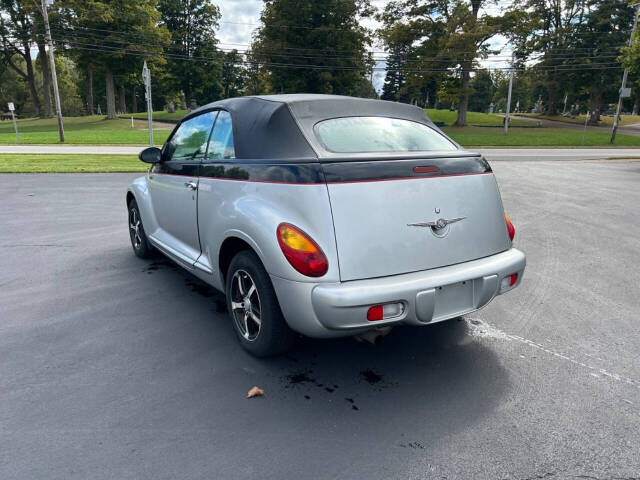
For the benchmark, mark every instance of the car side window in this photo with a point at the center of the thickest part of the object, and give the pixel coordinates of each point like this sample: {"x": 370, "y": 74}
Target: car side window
{"x": 190, "y": 140}
{"x": 221, "y": 143}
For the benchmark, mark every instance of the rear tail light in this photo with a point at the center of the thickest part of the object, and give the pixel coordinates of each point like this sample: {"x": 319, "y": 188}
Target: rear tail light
{"x": 301, "y": 251}
{"x": 510, "y": 228}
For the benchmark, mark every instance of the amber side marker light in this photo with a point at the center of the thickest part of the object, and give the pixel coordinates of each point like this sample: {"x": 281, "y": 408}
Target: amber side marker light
{"x": 510, "y": 228}
{"x": 301, "y": 251}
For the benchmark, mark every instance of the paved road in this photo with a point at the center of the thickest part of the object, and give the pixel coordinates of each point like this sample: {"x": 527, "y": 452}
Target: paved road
{"x": 492, "y": 154}
{"x": 115, "y": 367}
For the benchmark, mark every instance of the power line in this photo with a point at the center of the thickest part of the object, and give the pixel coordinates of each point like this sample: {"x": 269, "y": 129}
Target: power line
{"x": 277, "y": 53}
{"x": 419, "y": 65}
{"x": 150, "y": 36}
{"x": 98, "y": 48}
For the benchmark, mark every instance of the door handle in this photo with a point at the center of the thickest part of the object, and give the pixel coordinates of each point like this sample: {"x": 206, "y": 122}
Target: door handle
{"x": 191, "y": 185}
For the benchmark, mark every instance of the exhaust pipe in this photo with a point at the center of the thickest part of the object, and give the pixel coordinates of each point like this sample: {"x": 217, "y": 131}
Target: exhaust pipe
{"x": 374, "y": 336}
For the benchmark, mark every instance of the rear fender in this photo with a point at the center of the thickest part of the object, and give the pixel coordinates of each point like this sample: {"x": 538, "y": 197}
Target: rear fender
{"x": 252, "y": 212}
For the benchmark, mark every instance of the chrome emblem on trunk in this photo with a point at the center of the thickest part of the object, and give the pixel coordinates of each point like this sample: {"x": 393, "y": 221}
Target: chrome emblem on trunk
{"x": 440, "y": 227}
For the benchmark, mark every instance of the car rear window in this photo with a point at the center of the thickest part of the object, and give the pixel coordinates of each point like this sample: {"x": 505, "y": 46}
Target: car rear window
{"x": 379, "y": 134}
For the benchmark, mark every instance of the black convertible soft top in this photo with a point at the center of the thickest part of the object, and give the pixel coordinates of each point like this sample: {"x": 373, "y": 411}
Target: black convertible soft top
{"x": 281, "y": 126}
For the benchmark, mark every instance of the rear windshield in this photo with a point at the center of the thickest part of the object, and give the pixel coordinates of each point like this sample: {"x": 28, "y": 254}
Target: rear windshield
{"x": 379, "y": 134}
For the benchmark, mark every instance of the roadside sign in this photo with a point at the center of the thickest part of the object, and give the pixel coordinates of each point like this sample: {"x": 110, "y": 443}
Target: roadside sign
{"x": 625, "y": 92}
{"x": 145, "y": 72}
{"x": 12, "y": 108}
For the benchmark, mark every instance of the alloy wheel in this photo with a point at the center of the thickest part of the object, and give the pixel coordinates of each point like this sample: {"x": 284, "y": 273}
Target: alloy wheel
{"x": 245, "y": 305}
{"x": 135, "y": 226}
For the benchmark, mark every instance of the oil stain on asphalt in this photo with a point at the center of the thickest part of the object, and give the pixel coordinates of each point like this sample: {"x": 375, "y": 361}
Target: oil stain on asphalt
{"x": 298, "y": 378}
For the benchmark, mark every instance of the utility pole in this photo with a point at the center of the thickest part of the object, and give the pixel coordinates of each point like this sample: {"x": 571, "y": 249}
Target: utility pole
{"x": 54, "y": 77}
{"x": 624, "y": 92}
{"x": 146, "y": 76}
{"x": 506, "y": 116}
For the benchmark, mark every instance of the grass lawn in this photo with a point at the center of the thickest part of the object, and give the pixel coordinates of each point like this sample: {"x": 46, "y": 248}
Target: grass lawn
{"x": 74, "y": 163}
{"x": 605, "y": 121}
{"x": 534, "y": 137}
{"x": 89, "y": 130}
{"x": 474, "y": 118}
{"x": 446, "y": 116}
{"x": 96, "y": 130}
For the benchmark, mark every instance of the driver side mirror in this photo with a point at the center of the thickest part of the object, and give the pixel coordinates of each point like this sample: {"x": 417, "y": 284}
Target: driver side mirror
{"x": 150, "y": 155}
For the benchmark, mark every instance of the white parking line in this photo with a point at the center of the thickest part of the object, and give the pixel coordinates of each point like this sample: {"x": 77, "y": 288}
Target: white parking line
{"x": 480, "y": 329}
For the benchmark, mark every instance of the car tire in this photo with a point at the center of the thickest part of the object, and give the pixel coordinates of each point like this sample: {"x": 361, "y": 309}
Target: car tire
{"x": 139, "y": 241}
{"x": 254, "y": 309}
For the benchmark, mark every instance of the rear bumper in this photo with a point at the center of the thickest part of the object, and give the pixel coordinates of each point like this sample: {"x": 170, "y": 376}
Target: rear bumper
{"x": 339, "y": 309}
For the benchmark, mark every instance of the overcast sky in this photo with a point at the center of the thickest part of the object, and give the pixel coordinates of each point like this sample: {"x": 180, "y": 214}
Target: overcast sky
{"x": 241, "y": 17}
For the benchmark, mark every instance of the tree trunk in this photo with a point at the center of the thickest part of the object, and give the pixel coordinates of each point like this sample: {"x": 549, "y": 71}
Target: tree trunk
{"x": 595, "y": 105}
{"x": 553, "y": 89}
{"x": 111, "y": 94}
{"x": 134, "y": 106}
{"x": 46, "y": 80}
{"x": 122, "y": 100}
{"x": 32, "y": 82}
{"x": 465, "y": 80}
{"x": 463, "y": 102}
{"x": 89, "y": 91}
{"x": 635, "y": 106}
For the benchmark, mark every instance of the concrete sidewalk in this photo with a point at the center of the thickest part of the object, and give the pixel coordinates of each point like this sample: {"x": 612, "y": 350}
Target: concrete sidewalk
{"x": 89, "y": 149}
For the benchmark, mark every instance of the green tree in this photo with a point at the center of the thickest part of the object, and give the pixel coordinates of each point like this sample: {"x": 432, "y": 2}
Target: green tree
{"x": 315, "y": 47}
{"x": 448, "y": 36}
{"x": 13, "y": 88}
{"x": 544, "y": 31}
{"x": 483, "y": 90}
{"x": 601, "y": 36}
{"x": 255, "y": 77}
{"x": 394, "y": 79}
{"x": 195, "y": 63}
{"x": 115, "y": 36}
{"x": 575, "y": 44}
{"x": 16, "y": 37}
{"x": 410, "y": 35}
{"x": 365, "y": 89}
{"x": 232, "y": 74}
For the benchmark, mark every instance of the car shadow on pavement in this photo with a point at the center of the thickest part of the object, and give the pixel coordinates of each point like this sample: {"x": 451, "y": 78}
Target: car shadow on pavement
{"x": 420, "y": 383}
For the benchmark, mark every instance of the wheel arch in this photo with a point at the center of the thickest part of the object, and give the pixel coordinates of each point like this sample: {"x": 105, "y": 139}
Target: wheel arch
{"x": 233, "y": 244}
{"x": 130, "y": 196}
{"x": 138, "y": 190}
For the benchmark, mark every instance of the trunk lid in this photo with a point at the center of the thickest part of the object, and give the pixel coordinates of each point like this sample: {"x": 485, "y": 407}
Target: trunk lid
{"x": 374, "y": 204}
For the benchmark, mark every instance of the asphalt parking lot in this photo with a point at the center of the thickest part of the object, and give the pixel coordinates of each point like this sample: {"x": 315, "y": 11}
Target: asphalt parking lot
{"x": 115, "y": 367}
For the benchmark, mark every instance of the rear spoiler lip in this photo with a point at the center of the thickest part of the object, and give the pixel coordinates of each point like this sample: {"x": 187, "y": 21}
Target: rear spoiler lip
{"x": 388, "y": 156}
{"x": 404, "y": 168}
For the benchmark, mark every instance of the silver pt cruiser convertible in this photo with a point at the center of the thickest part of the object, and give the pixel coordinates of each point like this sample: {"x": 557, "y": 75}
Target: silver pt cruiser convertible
{"x": 325, "y": 215}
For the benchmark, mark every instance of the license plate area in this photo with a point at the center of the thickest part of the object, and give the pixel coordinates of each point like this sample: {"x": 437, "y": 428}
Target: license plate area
{"x": 453, "y": 300}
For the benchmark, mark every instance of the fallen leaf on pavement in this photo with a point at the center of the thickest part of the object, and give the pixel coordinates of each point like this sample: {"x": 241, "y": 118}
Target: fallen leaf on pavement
{"x": 255, "y": 392}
